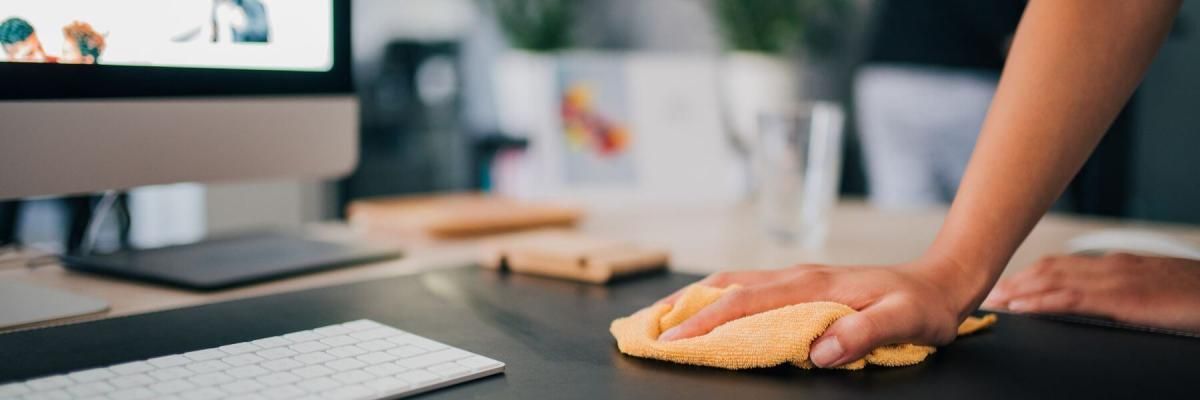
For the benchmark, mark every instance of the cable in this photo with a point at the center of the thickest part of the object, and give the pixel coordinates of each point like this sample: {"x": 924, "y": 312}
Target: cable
{"x": 103, "y": 208}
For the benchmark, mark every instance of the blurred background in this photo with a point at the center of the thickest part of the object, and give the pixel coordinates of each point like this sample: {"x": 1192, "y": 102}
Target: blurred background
{"x": 612, "y": 102}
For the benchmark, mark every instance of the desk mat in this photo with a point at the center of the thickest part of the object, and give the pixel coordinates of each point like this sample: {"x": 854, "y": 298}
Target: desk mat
{"x": 554, "y": 337}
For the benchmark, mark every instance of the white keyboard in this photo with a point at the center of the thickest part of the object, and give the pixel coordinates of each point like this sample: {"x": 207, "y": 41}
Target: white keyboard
{"x": 355, "y": 360}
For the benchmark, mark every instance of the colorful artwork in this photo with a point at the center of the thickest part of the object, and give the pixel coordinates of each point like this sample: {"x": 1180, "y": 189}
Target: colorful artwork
{"x": 596, "y": 133}
{"x": 586, "y": 129}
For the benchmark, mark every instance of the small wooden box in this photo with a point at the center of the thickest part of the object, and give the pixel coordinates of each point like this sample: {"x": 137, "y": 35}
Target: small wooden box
{"x": 573, "y": 256}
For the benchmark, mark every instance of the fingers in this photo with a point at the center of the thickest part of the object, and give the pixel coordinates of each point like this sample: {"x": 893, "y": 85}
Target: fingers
{"x": 732, "y": 306}
{"x": 1056, "y": 302}
{"x": 853, "y": 336}
{"x": 725, "y": 279}
{"x": 1051, "y": 274}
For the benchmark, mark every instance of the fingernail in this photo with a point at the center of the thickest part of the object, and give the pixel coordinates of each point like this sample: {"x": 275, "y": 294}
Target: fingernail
{"x": 1018, "y": 305}
{"x": 827, "y": 352}
{"x": 669, "y": 335}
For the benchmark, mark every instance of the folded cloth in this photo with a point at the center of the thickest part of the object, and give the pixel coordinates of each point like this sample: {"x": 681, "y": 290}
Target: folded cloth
{"x": 767, "y": 339}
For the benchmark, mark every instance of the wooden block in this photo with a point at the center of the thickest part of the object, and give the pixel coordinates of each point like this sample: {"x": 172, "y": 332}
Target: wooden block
{"x": 457, "y": 215}
{"x": 573, "y": 256}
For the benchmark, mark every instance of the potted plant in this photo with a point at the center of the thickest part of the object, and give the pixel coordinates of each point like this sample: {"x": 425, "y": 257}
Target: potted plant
{"x": 524, "y": 76}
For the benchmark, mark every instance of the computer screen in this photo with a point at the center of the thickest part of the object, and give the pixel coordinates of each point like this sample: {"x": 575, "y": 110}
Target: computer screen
{"x": 104, "y": 94}
{"x": 72, "y": 49}
{"x": 283, "y": 35}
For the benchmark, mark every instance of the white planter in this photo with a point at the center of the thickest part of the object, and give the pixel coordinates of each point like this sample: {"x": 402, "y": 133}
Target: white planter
{"x": 749, "y": 84}
{"x": 525, "y": 88}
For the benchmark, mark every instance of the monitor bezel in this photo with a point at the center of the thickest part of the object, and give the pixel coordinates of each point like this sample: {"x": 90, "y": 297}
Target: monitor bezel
{"x": 30, "y": 81}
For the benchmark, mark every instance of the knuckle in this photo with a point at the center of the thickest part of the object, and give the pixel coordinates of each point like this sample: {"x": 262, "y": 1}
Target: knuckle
{"x": 812, "y": 276}
{"x": 719, "y": 278}
{"x": 806, "y": 267}
{"x": 1071, "y": 299}
{"x": 1119, "y": 261}
{"x": 1045, "y": 265}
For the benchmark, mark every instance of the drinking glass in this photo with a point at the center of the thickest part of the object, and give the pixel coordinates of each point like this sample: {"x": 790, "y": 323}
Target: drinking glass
{"x": 797, "y": 161}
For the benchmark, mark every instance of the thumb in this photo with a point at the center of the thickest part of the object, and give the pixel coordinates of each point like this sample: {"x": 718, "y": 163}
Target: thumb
{"x": 850, "y": 338}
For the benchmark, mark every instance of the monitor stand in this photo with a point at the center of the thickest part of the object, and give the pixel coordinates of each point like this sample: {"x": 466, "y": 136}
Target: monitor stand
{"x": 24, "y": 304}
{"x": 230, "y": 261}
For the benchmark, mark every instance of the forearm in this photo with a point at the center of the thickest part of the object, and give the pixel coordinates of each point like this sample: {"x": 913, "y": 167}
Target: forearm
{"x": 1073, "y": 65}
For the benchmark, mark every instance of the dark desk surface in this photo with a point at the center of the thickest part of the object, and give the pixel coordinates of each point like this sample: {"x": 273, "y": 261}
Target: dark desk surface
{"x": 554, "y": 337}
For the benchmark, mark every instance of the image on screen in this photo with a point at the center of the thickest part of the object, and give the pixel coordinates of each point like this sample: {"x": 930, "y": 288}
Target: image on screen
{"x": 284, "y": 35}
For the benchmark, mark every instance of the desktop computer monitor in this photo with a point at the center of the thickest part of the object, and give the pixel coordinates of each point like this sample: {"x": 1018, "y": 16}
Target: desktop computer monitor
{"x": 113, "y": 94}
{"x": 102, "y": 95}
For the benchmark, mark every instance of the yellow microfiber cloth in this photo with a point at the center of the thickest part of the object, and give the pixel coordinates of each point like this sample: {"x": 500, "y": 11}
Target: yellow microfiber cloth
{"x": 766, "y": 339}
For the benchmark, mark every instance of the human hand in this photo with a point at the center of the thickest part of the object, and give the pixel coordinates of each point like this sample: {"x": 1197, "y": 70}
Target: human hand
{"x": 1151, "y": 291}
{"x": 908, "y": 304}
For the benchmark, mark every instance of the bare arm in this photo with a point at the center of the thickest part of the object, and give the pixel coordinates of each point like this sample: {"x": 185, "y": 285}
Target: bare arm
{"x": 1073, "y": 64}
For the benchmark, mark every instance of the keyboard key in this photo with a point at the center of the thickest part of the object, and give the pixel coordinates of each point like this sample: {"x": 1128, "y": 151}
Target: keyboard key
{"x": 376, "y": 358}
{"x": 169, "y": 361}
{"x": 337, "y": 341}
{"x": 332, "y": 330}
{"x": 426, "y": 343}
{"x": 283, "y": 392}
{"x": 128, "y": 381}
{"x": 273, "y": 342}
{"x": 309, "y": 347}
{"x": 170, "y": 387}
{"x": 407, "y": 351}
{"x": 351, "y": 377}
{"x": 282, "y": 364}
{"x": 248, "y": 371}
{"x": 386, "y": 369}
{"x": 240, "y": 348}
{"x": 278, "y": 378}
{"x": 51, "y": 395}
{"x": 477, "y": 363}
{"x": 377, "y": 333}
{"x": 48, "y": 383}
{"x": 277, "y": 352}
{"x": 167, "y": 374}
{"x": 14, "y": 389}
{"x": 450, "y": 370}
{"x": 387, "y": 385}
{"x": 211, "y": 379}
{"x": 353, "y": 392}
{"x": 315, "y": 358}
{"x": 302, "y": 336}
{"x": 138, "y": 393}
{"x": 312, "y": 371}
{"x": 203, "y": 394}
{"x": 91, "y": 375}
{"x": 376, "y": 345}
{"x": 90, "y": 389}
{"x": 435, "y": 358}
{"x": 401, "y": 339}
{"x": 206, "y": 354}
{"x": 418, "y": 377}
{"x": 319, "y": 384}
{"x": 345, "y": 364}
{"x": 207, "y": 366}
{"x": 132, "y": 368}
{"x": 248, "y": 396}
{"x": 243, "y": 386}
{"x": 243, "y": 359}
{"x": 346, "y": 351}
